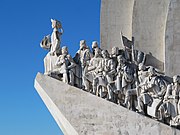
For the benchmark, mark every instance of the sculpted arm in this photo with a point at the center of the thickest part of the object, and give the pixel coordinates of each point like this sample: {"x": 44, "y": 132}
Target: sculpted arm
{"x": 59, "y": 61}
{"x": 168, "y": 94}
{"x": 72, "y": 63}
{"x": 91, "y": 66}
{"x": 112, "y": 67}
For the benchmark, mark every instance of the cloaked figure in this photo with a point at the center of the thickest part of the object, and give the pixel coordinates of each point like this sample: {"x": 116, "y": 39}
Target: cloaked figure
{"x": 52, "y": 44}
{"x": 56, "y": 36}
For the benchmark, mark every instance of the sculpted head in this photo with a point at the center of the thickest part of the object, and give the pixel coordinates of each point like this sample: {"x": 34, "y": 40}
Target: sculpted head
{"x": 97, "y": 52}
{"x": 152, "y": 71}
{"x": 82, "y": 44}
{"x": 94, "y": 44}
{"x": 105, "y": 54}
{"x": 114, "y": 50}
{"x": 56, "y": 24}
{"x": 176, "y": 79}
{"x": 121, "y": 59}
{"x": 64, "y": 50}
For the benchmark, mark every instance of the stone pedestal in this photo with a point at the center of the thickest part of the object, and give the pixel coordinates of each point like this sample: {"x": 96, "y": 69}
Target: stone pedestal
{"x": 79, "y": 112}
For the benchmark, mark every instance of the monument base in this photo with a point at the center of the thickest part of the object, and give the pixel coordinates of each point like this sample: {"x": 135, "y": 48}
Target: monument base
{"x": 79, "y": 112}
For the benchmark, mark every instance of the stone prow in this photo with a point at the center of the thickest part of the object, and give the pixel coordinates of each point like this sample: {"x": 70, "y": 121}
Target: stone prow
{"x": 79, "y": 112}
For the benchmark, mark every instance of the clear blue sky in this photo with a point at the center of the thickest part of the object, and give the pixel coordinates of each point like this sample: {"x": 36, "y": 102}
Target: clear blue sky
{"x": 23, "y": 24}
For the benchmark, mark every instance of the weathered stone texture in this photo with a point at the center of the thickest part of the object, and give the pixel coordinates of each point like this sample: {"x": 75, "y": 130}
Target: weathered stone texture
{"x": 116, "y": 17}
{"x": 154, "y": 24}
{"x": 149, "y": 25}
{"x": 172, "y": 50}
{"x": 79, "y": 112}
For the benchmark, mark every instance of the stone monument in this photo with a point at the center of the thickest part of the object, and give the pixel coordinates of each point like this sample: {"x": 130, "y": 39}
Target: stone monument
{"x": 154, "y": 24}
{"x": 121, "y": 90}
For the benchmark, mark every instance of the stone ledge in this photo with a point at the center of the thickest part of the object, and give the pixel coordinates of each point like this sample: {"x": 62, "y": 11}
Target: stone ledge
{"x": 79, "y": 112}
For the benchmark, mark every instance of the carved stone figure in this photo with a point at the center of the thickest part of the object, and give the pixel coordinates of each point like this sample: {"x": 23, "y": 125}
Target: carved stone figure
{"x": 49, "y": 63}
{"x": 65, "y": 67}
{"x": 82, "y": 59}
{"x": 94, "y": 46}
{"x": 120, "y": 67}
{"x": 56, "y": 37}
{"x": 94, "y": 71}
{"x": 169, "y": 108}
{"x": 130, "y": 93}
{"x": 138, "y": 57}
{"x": 114, "y": 52}
{"x": 152, "y": 88}
{"x": 109, "y": 73}
{"x": 120, "y": 77}
{"x": 142, "y": 73}
{"x": 52, "y": 44}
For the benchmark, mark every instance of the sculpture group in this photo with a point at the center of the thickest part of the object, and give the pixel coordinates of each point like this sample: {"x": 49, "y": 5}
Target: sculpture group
{"x": 120, "y": 76}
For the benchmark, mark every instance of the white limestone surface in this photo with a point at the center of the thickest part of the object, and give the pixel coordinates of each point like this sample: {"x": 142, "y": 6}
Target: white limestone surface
{"x": 154, "y": 24}
{"x": 116, "y": 17}
{"x": 149, "y": 26}
{"x": 79, "y": 112}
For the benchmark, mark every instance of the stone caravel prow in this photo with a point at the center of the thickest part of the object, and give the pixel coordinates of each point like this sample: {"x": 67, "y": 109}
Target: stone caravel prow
{"x": 79, "y": 112}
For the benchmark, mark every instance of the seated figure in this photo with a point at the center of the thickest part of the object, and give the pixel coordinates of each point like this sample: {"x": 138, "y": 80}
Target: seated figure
{"x": 65, "y": 67}
{"x": 152, "y": 88}
{"x": 169, "y": 108}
